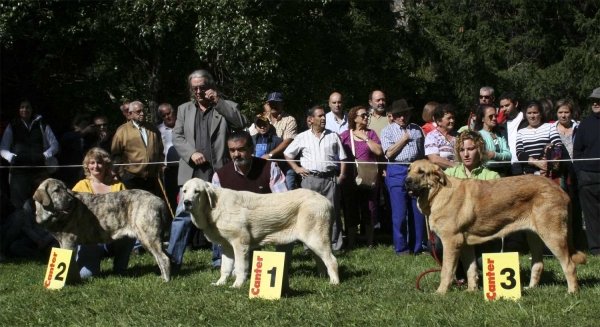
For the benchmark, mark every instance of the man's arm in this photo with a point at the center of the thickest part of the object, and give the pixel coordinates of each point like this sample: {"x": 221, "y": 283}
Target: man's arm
{"x": 185, "y": 149}
{"x": 393, "y": 150}
{"x": 6, "y": 144}
{"x": 231, "y": 112}
{"x": 437, "y": 160}
{"x": 281, "y": 147}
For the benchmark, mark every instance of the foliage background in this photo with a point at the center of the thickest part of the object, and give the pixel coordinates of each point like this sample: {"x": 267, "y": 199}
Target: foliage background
{"x": 89, "y": 56}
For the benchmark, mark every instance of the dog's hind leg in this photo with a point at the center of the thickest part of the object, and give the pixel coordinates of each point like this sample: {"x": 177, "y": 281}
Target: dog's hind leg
{"x": 226, "y": 264}
{"x": 557, "y": 243}
{"x": 240, "y": 251}
{"x": 325, "y": 257}
{"x": 536, "y": 246}
{"x": 452, "y": 247}
{"x": 153, "y": 245}
{"x": 467, "y": 255}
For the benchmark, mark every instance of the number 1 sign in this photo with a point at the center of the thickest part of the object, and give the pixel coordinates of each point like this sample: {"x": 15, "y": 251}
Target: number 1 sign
{"x": 58, "y": 267}
{"x": 267, "y": 275}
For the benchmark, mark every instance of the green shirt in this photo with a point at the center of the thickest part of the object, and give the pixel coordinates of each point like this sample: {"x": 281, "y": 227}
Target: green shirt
{"x": 480, "y": 172}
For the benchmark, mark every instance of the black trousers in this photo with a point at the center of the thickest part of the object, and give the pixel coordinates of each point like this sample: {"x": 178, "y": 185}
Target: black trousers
{"x": 589, "y": 197}
{"x": 149, "y": 184}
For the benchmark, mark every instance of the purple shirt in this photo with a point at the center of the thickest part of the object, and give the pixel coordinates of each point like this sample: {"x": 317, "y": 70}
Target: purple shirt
{"x": 363, "y": 152}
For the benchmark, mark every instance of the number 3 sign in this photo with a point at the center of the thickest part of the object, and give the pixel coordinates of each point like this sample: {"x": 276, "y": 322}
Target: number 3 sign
{"x": 58, "y": 267}
{"x": 267, "y": 275}
{"x": 501, "y": 277}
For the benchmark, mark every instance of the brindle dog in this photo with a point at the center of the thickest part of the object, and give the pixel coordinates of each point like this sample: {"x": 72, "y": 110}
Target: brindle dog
{"x": 84, "y": 218}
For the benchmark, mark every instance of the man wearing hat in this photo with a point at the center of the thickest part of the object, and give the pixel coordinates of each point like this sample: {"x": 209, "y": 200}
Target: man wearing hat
{"x": 403, "y": 143}
{"x": 587, "y": 146}
{"x": 286, "y": 128}
{"x": 265, "y": 140}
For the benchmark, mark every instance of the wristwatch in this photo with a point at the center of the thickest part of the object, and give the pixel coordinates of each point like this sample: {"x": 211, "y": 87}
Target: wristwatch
{"x": 270, "y": 155}
{"x": 367, "y": 139}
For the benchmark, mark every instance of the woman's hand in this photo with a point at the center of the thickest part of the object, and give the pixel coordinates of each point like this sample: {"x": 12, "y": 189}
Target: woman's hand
{"x": 360, "y": 134}
{"x": 542, "y": 165}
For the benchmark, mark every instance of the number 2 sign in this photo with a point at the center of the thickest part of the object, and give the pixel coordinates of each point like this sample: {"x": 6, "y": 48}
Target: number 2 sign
{"x": 267, "y": 275}
{"x": 58, "y": 267}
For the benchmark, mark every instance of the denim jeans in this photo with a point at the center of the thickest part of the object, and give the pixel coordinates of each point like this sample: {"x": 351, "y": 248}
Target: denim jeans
{"x": 89, "y": 256}
{"x": 180, "y": 228}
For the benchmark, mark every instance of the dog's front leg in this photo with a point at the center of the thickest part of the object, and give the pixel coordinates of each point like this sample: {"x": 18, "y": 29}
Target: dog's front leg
{"x": 467, "y": 255}
{"x": 452, "y": 247}
{"x": 240, "y": 252}
{"x": 69, "y": 242}
{"x": 226, "y": 264}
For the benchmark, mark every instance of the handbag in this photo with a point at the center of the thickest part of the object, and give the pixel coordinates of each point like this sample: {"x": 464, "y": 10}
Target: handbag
{"x": 366, "y": 172}
{"x": 52, "y": 161}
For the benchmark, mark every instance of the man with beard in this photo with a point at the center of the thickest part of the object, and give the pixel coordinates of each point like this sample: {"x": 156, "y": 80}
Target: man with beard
{"x": 378, "y": 119}
{"x": 319, "y": 148}
{"x": 200, "y": 138}
{"x": 514, "y": 122}
{"x": 248, "y": 173}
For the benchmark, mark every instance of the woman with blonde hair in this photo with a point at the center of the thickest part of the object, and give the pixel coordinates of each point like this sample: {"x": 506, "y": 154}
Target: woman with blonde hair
{"x": 97, "y": 166}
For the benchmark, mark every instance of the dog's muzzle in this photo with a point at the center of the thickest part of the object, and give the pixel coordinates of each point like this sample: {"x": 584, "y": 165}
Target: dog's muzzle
{"x": 187, "y": 204}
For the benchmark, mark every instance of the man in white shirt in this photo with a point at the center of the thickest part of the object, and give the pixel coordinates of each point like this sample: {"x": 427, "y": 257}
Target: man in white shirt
{"x": 318, "y": 148}
{"x": 169, "y": 115}
{"x": 514, "y": 122}
{"x": 336, "y": 119}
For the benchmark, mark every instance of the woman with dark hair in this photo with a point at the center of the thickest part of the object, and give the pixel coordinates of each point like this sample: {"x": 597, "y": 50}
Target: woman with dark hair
{"x": 566, "y": 125}
{"x": 532, "y": 140}
{"x": 439, "y": 143}
{"x": 97, "y": 166}
{"x": 496, "y": 146}
{"x": 360, "y": 205}
{"x": 27, "y": 141}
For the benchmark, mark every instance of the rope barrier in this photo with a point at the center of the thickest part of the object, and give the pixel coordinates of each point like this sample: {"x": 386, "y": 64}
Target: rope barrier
{"x": 284, "y": 160}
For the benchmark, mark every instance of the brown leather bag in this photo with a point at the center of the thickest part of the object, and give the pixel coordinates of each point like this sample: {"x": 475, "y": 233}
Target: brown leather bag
{"x": 366, "y": 172}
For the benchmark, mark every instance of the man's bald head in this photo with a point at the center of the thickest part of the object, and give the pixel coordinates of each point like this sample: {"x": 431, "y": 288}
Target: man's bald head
{"x": 336, "y": 104}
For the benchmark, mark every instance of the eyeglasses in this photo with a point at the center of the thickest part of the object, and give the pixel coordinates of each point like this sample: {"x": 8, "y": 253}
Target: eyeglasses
{"x": 363, "y": 116}
{"x": 492, "y": 116}
{"x": 200, "y": 88}
{"x": 485, "y": 97}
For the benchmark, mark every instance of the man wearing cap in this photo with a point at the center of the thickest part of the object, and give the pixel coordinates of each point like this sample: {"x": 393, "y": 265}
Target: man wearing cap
{"x": 587, "y": 146}
{"x": 378, "y": 119}
{"x": 337, "y": 119}
{"x": 286, "y": 128}
{"x": 200, "y": 138}
{"x": 403, "y": 143}
{"x": 318, "y": 148}
{"x": 265, "y": 140}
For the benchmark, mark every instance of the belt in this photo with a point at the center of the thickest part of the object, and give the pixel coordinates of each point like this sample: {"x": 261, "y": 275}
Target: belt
{"x": 323, "y": 174}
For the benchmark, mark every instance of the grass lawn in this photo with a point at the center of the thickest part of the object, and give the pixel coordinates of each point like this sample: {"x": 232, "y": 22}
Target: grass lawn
{"x": 377, "y": 289}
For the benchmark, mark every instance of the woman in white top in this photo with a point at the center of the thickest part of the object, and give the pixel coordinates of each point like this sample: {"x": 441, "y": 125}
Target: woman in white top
{"x": 439, "y": 143}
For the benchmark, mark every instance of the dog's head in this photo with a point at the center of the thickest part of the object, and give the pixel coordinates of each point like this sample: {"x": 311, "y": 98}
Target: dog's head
{"x": 52, "y": 198}
{"x": 197, "y": 194}
{"x": 424, "y": 176}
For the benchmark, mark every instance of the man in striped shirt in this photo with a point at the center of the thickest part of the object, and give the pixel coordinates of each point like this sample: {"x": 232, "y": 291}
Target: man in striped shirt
{"x": 402, "y": 144}
{"x": 318, "y": 148}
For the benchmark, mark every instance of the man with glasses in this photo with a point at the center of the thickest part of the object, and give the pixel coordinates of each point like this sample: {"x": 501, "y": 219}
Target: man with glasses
{"x": 486, "y": 96}
{"x": 587, "y": 146}
{"x": 200, "y": 138}
{"x": 136, "y": 144}
{"x": 104, "y": 135}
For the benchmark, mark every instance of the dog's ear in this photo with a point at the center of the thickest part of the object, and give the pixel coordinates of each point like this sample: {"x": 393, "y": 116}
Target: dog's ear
{"x": 442, "y": 177}
{"x": 41, "y": 195}
{"x": 211, "y": 195}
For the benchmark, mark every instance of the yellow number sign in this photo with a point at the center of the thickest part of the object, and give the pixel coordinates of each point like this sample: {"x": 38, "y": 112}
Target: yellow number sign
{"x": 501, "y": 277}
{"x": 267, "y": 275}
{"x": 58, "y": 267}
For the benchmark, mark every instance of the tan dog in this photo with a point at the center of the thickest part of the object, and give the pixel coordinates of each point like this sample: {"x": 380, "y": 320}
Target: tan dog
{"x": 464, "y": 212}
{"x": 84, "y": 218}
{"x": 240, "y": 220}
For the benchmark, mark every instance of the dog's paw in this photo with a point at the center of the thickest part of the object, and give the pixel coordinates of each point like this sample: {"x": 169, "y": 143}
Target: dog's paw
{"x": 237, "y": 283}
{"x": 219, "y": 282}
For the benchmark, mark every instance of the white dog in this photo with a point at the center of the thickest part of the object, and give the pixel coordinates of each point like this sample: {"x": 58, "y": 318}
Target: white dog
{"x": 240, "y": 220}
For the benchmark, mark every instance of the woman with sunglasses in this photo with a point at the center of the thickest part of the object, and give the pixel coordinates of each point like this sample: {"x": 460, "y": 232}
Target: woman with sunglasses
{"x": 360, "y": 204}
{"x": 496, "y": 145}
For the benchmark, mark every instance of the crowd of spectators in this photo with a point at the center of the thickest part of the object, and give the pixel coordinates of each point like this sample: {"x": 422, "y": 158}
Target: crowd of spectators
{"x": 195, "y": 140}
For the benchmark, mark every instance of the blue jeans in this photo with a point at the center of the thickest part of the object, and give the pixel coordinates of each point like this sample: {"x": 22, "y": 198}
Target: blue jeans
{"x": 89, "y": 256}
{"x": 180, "y": 228}
{"x": 408, "y": 223}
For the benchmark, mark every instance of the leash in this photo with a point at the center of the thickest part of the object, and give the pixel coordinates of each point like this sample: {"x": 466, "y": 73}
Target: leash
{"x": 432, "y": 243}
{"x": 162, "y": 188}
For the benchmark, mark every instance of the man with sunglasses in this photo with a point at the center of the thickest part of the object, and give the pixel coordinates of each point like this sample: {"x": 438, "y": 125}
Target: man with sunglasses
{"x": 486, "y": 96}
{"x": 200, "y": 137}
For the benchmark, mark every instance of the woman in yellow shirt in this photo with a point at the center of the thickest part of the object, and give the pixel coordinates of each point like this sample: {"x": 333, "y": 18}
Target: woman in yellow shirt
{"x": 97, "y": 166}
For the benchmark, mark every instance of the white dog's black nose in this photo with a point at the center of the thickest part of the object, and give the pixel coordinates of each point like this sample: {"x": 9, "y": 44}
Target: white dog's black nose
{"x": 187, "y": 203}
